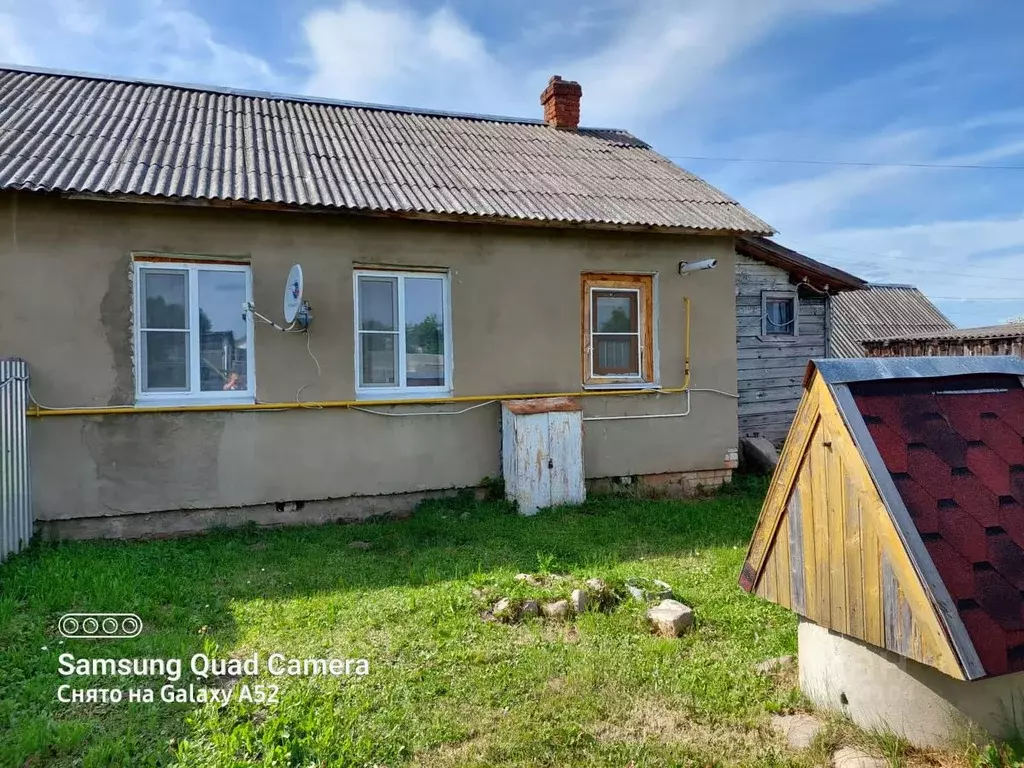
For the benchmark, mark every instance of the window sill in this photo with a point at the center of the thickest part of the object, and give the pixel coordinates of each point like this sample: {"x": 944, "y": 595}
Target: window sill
{"x": 431, "y": 393}
{"x": 171, "y": 401}
{"x": 615, "y": 385}
{"x": 779, "y": 339}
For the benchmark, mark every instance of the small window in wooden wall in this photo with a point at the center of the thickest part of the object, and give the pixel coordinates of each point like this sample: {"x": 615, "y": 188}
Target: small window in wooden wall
{"x": 618, "y": 329}
{"x": 779, "y": 315}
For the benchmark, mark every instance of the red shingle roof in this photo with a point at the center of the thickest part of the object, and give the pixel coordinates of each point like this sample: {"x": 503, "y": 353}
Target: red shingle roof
{"x": 955, "y": 450}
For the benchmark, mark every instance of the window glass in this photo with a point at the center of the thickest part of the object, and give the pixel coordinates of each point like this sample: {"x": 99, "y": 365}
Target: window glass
{"x": 223, "y": 342}
{"x": 401, "y": 333}
{"x": 192, "y": 337}
{"x": 424, "y": 332}
{"x": 165, "y": 299}
{"x": 165, "y": 361}
{"x": 779, "y": 316}
{"x": 378, "y": 304}
{"x": 616, "y": 341}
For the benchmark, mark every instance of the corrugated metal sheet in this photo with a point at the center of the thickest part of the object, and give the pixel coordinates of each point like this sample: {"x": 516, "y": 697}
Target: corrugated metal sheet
{"x": 836, "y": 371}
{"x": 1004, "y": 331}
{"x": 87, "y": 134}
{"x": 879, "y": 312}
{"x": 15, "y": 480}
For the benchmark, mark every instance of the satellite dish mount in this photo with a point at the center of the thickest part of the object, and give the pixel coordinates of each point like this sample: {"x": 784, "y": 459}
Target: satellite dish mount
{"x": 297, "y": 312}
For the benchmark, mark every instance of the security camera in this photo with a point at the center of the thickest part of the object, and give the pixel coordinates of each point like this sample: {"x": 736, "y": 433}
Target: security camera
{"x": 696, "y": 266}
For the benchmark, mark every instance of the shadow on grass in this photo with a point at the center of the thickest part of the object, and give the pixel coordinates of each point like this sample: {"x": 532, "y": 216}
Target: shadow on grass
{"x": 187, "y": 590}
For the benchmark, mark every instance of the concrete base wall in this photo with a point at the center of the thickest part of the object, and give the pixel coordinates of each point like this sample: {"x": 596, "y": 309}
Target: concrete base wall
{"x": 879, "y": 689}
{"x": 354, "y": 509}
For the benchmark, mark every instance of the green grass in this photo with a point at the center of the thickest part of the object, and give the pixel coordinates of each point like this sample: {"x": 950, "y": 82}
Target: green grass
{"x": 445, "y": 688}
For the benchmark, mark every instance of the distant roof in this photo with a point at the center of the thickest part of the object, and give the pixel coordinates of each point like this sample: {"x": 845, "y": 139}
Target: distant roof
{"x": 881, "y": 311}
{"x": 78, "y": 133}
{"x": 820, "y": 275}
{"x": 1004, "y": 331}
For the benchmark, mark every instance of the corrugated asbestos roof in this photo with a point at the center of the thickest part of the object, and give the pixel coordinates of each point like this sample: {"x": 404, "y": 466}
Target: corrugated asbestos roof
{"x": 881, "y": 312}
{"x": 1004, "y": 331}
{"x": 73, "y": 133}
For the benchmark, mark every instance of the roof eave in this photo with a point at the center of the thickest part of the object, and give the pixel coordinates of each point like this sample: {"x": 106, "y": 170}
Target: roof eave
{"x": 410, "y": 215}
{"x": 801, "y": 268}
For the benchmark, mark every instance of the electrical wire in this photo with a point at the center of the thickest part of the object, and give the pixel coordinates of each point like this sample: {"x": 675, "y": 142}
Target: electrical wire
{"x": 319, "y": 371}
{"x": 423, "y": 413}
{"x": 850, "y": 163}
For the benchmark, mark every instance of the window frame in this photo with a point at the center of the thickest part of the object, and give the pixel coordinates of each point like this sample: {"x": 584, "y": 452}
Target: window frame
{"x": 792, "y": 297}
{"x": 195, "y": 395}
{"x": 403, "y": 390}
{"x": 644, "y": 285}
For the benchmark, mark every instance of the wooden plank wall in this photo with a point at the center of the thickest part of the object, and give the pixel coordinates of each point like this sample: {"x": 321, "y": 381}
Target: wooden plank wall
{"x": 771, "y": 372}
{"x": 947, "y": 347}
{"x": 836, "y": 558}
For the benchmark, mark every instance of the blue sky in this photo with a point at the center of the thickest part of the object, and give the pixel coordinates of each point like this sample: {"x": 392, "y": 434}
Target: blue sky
{"x": 877, "y": 81}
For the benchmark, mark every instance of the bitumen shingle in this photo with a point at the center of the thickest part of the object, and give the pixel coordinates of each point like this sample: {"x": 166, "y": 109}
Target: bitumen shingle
{"x": 955, "y": 450}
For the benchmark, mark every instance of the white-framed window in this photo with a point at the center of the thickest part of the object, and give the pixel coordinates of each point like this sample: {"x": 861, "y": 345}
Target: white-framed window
{"x": 192, "y": 344}
{"x": 779, "y": 315}
{"x": 618, "y": 329}
{"x": 403, "y": 333}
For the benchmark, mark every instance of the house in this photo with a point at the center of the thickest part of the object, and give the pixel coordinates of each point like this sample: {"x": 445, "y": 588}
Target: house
{"x": 894, "y": 526}
{"x": 881, "y": 311}
{"x": 783, "y": 315}
{"x": 1005, "y": 339}
{"x": 450, "y": 262}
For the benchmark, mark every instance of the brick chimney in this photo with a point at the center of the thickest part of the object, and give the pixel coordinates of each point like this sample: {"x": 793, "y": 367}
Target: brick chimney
{"x": 561, "y": 102}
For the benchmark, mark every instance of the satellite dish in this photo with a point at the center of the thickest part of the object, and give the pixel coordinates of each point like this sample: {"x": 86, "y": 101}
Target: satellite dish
{"x": 293, "y": 294}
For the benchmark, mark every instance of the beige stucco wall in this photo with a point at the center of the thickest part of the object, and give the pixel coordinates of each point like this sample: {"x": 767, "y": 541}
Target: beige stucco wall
{"x": 66, "y": 299}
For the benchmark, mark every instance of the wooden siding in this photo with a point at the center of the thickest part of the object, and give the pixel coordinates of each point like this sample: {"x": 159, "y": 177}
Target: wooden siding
{"x": 947, "y": 347}
{"x": 771, "y": 371}
{"x": 826, "y": 546}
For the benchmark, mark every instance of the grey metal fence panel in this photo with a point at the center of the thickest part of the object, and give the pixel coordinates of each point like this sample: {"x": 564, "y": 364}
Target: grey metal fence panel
{"x": 15, "y": 479}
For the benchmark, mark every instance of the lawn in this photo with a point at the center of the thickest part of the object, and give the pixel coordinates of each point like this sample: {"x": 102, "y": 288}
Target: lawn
{"x": 444, "y": 687}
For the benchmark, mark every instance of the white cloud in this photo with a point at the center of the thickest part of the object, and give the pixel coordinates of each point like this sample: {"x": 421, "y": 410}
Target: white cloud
{"x": 13, "y": 48}
{"x": 396, "y": 55}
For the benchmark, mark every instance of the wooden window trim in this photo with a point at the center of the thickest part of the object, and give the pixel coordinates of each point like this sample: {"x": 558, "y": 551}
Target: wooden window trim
{"x": 644, "y": 286}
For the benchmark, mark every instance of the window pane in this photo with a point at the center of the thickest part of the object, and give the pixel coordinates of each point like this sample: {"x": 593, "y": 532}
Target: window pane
{"x": 615, "y": 312}
{"x": 424, "y": 332}
{"x": 779, "y": 316}
{"x": 378, "y": 308}
{"x": 165, "y": 361}
{"x": 379, "y": 359}
{"x": 223, "y": 345}
{"x": 165, "y": 299}
{"x": 616, "y": 355}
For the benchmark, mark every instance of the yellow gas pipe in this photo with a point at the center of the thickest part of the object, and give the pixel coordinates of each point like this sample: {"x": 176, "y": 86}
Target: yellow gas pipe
{"x": 36, "y": 411}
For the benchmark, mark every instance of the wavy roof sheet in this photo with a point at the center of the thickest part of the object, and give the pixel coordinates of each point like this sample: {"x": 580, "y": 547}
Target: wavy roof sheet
{"x": 881, "y": 312}
{"x": 74, "y": 133}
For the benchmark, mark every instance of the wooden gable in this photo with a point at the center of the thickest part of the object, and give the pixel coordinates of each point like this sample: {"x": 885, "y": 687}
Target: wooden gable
{"x": 827, "y": 547}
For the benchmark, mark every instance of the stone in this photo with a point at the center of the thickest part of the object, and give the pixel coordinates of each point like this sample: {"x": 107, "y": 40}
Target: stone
{"x": 579, "y": 600}
{"x": 596, "y": 585}
{"x": 529, "y": 579}
{"x": 649, "y": 589}
{"x": 359, "y": 545}
{"x": 530, "y": 608}
{"x": 759, "y": 454}
{"x": 799, "y": 730}
{"x": 849, "y": 757}
{"x": 671, "y": 618}
{"x": 768, "y": 666}
{"x": 556, "y": 610}
{"x": 504, "y": 610}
